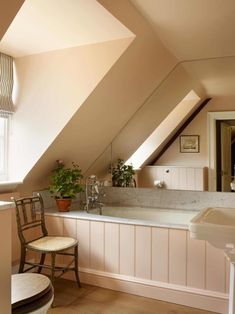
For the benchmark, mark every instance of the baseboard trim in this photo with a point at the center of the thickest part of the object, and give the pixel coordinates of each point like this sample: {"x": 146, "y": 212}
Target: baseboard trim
{"x": 192, "y": 297}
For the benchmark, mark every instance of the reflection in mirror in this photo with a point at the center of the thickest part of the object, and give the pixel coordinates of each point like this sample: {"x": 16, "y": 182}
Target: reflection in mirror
{"x": 225, "y": 136}
{"x": 221, "y": 127}
{"x": 191, "y": 92}
{"x": 202, "y": 171}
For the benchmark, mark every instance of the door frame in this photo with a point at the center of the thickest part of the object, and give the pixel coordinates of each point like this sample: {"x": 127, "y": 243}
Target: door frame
{"x": 212, "y": 165}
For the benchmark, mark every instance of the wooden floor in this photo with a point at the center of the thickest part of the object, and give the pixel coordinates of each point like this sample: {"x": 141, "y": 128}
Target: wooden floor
{"x": 94, "y": 300}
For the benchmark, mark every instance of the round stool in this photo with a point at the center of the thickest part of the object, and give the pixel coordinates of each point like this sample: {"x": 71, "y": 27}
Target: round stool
{"x": 31, "y": 293}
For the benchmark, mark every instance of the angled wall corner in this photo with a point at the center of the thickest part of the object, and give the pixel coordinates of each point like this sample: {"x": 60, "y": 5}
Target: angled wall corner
{"x": 52, "y": 86}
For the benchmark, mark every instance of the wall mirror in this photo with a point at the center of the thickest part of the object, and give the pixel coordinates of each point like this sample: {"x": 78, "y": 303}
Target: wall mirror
{"x": 212, "y": 167}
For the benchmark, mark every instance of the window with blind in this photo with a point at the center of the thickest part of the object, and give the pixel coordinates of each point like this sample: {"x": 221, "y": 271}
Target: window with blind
{"x": 6, "y": 109}
{"x": 3, "y": 147}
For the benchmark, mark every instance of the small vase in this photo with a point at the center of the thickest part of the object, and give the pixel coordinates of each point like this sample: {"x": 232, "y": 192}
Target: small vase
{"x": 63, "y": 204}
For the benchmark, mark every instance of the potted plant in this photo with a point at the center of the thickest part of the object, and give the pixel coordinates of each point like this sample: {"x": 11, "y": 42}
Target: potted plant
{"x": 123, "y": 175}
{"x": 65, "y": 184}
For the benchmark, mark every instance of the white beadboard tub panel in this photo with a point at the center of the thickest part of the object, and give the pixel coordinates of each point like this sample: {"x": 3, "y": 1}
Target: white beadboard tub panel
{"x": 127, "y": 250}
{"x": 143, "y": 252}
{"x": 196, "y": 259}
{"x": 177, "y": 256}
{"x": 160, "y": 262}
{"x": 111, "y": 248}
{"x": 162, "y": 257}
{"x": 83, "y": 236}
{"x": 215, "y": 269}
{"x": 176, "y": 178}
{"x": 97, "y": 245}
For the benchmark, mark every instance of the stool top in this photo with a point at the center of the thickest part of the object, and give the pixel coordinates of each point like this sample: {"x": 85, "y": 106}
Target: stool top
{"x": 27, "y": 285}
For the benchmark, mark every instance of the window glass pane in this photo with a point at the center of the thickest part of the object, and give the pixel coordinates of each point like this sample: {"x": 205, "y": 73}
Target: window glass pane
{"x": 2, "y": 126}
{"x": 2, "y": 159}
{"x": 3, "y": 148}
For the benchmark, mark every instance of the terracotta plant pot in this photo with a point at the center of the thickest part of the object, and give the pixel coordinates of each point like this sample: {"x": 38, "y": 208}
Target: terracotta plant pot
{"x": 63, "y": 204}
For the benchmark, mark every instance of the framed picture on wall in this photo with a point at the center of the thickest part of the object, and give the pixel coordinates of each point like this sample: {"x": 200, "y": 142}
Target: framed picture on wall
{"x": 189, "y": 144}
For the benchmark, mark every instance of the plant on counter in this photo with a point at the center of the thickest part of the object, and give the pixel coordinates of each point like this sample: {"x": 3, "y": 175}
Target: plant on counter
{"x": 65, "y": 184}
{"x": 123, "y": 175}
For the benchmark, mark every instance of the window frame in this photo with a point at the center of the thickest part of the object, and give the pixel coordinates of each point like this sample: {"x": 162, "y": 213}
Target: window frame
{"x": 4, "y": 172}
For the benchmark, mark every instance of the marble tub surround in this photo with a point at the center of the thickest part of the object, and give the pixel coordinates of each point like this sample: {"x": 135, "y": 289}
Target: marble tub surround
{"x": 146, "y": 197}
{"x": 178, "y": 199}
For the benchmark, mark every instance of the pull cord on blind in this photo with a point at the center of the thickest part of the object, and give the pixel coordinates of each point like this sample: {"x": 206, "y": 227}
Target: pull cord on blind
{"x": 6, "y": 85}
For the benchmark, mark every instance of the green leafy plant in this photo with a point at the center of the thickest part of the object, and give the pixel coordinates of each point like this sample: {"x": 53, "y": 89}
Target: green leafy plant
{"x": 123, "y": 175}
{"x": 66, "y": 182}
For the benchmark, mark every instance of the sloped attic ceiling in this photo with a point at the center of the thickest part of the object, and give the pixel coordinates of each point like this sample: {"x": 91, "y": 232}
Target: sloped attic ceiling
{"x": 48, "y": 25}
{"x": 200, "y": 34}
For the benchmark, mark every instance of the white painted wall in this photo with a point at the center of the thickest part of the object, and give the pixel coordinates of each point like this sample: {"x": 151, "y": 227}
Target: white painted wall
{"x": 52, "y": 86}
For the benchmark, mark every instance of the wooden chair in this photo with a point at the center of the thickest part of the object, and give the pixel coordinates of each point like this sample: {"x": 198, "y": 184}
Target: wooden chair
{"x": 30, "y": 215}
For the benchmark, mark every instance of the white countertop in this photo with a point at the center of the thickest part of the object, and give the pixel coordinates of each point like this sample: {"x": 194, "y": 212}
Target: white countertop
{"x": 6, "y": 205}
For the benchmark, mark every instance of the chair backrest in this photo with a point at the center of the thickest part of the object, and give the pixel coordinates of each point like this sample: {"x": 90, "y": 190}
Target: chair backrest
{"x": 29, "y": 215}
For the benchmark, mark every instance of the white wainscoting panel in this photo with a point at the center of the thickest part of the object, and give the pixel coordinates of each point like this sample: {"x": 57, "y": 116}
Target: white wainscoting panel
{"x": 196, "y": 257}
{"x": 97, "y": 241}
{"x": 160, "y": 262}
{"x": 112, "y": 248}
{"x": 83, "y": 236}
{"x": 143, "y": 252}
{"x": 70, "y": 227}
{"x": 215, "y": 269}
{"x": 177, "y": 256}
{"x": 127, "y": 250}
{"x": 174, "y": 177}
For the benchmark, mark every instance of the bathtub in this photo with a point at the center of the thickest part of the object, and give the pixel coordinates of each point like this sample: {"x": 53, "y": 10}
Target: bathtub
{"x": 145, "y": 251}
{"x": 145, "y": 216}
{"x": 154, "y": 215}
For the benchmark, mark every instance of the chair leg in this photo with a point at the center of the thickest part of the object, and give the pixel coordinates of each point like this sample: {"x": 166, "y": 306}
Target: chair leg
{"x": 42, "y": 260}
{"x": 22, "y": 260}
{"x": 76, "y": 265}
{"x": 53, "y": 268}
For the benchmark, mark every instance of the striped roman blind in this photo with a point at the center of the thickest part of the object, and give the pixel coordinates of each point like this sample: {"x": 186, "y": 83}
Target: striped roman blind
{"x": 6, "y": 84}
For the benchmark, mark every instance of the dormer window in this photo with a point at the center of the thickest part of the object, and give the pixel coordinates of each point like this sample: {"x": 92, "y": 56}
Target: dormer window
{"x": 6, "y": 109}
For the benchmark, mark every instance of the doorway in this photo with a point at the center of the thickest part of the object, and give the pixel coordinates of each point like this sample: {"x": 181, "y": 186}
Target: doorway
{"x": 225, "y": 154}
{"x": 212, "y": 148}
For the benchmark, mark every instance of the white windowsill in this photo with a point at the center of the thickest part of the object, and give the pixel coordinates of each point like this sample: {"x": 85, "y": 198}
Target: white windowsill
{"x": 6, "y": 186}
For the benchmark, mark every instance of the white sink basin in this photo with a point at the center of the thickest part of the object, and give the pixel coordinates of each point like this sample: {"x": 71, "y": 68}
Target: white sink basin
{"x": 215, "y": 225}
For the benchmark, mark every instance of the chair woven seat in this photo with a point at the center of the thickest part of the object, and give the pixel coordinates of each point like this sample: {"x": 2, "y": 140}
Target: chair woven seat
{"x": 52, "y": 243}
